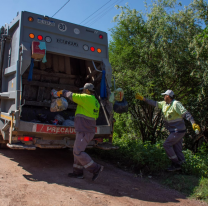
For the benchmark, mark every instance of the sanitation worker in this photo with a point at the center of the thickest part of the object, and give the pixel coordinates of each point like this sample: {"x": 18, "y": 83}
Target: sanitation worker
{"x": 85, "y": 123}
{"x": 173, "y": 114}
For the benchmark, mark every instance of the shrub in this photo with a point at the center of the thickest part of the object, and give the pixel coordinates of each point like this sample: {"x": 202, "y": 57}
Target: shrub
{"x": 148, "y": 158}
{"x": 196, "y": 164}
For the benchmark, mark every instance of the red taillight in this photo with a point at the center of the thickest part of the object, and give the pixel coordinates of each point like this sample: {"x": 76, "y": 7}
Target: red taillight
{"x": 40, "y": 37}
{"x": 101, "y": 36}
{"x": 26, "y": 139}
{"x": 99, "y": 139}
{"x": 92, "y": 49}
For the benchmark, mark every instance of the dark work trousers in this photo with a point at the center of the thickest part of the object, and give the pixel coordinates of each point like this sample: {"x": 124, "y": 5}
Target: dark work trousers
{"x": 173, "y": 147}
{"x": 81, "y": 158}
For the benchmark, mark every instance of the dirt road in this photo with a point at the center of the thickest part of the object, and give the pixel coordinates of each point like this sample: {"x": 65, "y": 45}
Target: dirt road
{"x": 40, "y": 178}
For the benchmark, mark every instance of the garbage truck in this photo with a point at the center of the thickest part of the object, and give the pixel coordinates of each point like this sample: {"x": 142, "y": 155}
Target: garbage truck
{"x": 75, "y": 55}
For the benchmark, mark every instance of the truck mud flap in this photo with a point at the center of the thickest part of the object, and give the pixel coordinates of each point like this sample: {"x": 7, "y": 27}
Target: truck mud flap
{"x": 106, "y": 146}
{"x": 21, "y": 147}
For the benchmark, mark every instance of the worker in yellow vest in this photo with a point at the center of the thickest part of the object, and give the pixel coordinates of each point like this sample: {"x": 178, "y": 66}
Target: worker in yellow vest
{"x": 173, "y": 115}
{"x": 85, "y": 123}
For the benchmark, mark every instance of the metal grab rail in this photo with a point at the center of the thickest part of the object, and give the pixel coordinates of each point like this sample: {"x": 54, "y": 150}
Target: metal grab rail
{"x": 95, "y": 67}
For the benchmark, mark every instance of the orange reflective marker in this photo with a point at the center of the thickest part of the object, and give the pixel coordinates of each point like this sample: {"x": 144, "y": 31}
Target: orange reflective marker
{"x": 30, "y": 19}
{"x": 99, "y": 50}
{"x": 32, "y": 36}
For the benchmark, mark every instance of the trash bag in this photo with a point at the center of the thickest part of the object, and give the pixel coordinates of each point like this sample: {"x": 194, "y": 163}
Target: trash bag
{"x": 42, "y": 117}
{"x": 59, "y": 104}
{"x": 111, "y": 98}
{"x": 71, "y": 118}
{"x": 120, "y": 107}
{"x": 68, "y": 123}
{"x": 59, "y": 118}
{"x": 54, "y": 93}
{"x": 119, "y": 94}
{"x": 55, "y": 122}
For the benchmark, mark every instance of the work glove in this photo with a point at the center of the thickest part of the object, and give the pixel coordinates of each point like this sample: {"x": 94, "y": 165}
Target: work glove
{"x": 196, "y": 128}
{"x": 140, "y": 97}
{"x": 59, "y": 93}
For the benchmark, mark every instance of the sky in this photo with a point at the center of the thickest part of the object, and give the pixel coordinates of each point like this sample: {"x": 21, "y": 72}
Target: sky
{"x": 75, "y": 11}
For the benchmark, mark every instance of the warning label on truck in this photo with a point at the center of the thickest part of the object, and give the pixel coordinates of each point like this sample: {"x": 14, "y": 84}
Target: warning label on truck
{"x": 55, "y": 129}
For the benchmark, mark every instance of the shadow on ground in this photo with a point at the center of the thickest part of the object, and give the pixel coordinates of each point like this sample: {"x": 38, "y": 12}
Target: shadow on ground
{"x": 52, "y": 166}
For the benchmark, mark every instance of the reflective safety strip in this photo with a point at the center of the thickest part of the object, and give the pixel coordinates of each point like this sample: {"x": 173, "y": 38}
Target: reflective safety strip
{"x": 81, "y": 115}
{"x": 77, "y": 166}
{"x": 173, "y": 157}
{"x": 89, "y": 164}
{"x": 175, "y": 120}
{"x": 6, "y": 117}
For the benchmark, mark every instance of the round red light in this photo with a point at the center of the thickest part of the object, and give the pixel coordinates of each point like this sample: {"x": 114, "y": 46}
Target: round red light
{"x": 92, "y": 49}
{"x": 40, "y": 37}
{"x": 101, "y": 36}
{"x": 26, "y": 139}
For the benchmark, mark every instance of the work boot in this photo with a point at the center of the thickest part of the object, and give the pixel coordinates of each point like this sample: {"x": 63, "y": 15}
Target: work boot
{"x": 74, "y": 175}
{"x": 182, "y": 162}
{"x": 95, "y": 175}
{"x": 174, "y": 167}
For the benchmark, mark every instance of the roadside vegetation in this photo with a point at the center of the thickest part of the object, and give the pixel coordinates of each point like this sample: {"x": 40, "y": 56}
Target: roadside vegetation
{"x": 164, "y": 48}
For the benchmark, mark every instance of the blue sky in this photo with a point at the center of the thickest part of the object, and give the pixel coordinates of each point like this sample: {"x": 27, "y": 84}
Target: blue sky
{"x": 75, "y": 11}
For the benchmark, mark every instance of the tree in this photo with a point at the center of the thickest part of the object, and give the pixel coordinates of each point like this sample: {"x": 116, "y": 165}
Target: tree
{"x": 150, "y": 53}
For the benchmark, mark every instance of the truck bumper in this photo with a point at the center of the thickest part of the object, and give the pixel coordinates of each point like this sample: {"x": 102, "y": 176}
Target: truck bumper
{"x": 47, "y": 136}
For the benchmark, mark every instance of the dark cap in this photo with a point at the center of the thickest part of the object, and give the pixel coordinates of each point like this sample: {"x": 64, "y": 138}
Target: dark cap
{"x": 88, "y": 86}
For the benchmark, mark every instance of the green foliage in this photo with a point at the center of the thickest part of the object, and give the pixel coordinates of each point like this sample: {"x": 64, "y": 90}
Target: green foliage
{"x": 150, "y": 53}
{"x": 150, "y": 158}
{"x": 197, "y": 164}
{"x": 140, "y": 156}
{"x": 125, "y": 124}
{"x": 155, "y": 51}
{"x": 192, "y": 186}
{"x": 201, "y": 191}
{"x": 183, "y": 183}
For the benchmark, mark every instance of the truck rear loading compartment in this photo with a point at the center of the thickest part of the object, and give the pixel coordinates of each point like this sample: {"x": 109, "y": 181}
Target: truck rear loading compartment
{"x": 36, "y": 94}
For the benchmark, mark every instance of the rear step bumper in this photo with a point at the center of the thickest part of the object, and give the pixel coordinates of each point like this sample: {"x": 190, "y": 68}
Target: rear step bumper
{"x": 103, "y": 146}
{"x": 33, "y": 147}
{"x": 21, "y": 147}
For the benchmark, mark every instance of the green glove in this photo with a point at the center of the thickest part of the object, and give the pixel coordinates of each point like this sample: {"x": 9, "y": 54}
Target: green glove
{"x": 140, "y": 97}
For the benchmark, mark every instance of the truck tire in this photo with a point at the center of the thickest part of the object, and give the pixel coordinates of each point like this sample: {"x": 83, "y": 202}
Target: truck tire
{"x": 3, "y": 146}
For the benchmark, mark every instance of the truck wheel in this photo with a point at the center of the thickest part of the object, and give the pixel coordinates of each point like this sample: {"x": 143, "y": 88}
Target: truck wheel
{"x": 3, "y": 146}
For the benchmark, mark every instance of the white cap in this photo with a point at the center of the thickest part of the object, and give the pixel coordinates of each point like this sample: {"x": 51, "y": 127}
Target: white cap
{"x": 169, "y": 93}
